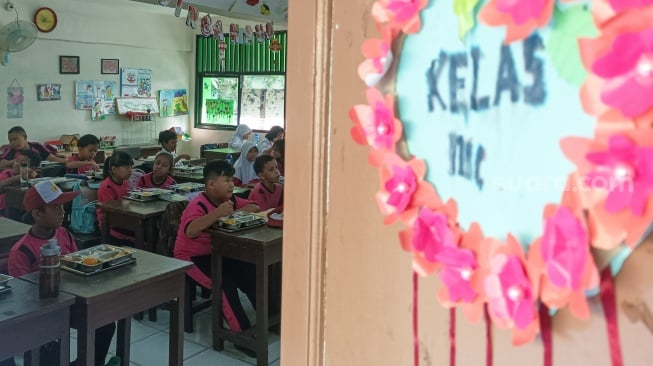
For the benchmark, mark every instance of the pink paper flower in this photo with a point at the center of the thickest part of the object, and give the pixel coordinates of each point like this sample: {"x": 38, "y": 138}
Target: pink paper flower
{"x": 508, "y": 289}
{"x": 432, "y": 234}
{"x": 626, "y": 171}
{"x": 459, "y": 266}
{"x": 375, "y": 123}
{"x": 378, "y": 60}
{"x": 400, "y": 188}
{"x": 621, "y": 5}
{"x": 627, "y": 68}
{"x": 565, "y": 249}
{"x": 399, "y": 14}
{"x": 521, "y": 17}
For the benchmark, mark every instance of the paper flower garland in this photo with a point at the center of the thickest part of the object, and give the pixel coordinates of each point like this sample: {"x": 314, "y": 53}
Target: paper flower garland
{"x": 607, "y": 203}
{"x": 519, "y": 17}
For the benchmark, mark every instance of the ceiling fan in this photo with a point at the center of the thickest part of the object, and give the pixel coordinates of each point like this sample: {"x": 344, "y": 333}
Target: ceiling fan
{"x": 16, "y": 36}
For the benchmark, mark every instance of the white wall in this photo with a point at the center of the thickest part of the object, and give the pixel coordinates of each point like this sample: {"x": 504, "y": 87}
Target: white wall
{"x": 139, "y": 35}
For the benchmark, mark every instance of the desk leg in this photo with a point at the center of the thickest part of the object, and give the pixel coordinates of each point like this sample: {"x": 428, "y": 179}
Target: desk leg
{"x": 86, "y": 344}
{"x": 123, "y": 341}
{"x": 64, "y": 345}
{"x": 140, "y": 236}
{"x": 261, "y": 312}
{"x": 216, "y": 301}
{"x": 176, "y": 341}
{"x": 31, "y": 357}
{"x": 105, "y": 227}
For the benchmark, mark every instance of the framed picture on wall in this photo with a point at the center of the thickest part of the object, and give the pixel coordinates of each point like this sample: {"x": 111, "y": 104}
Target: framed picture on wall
{"x": 69, "y": 64}
{"x": 110, "y": 66}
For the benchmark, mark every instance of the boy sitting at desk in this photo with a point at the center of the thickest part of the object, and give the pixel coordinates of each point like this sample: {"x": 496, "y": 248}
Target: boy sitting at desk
{"x": 43, "y": 203}
{"x": 194, "y": 245}
{"x": 18, "y": 143}
{"x": 12, "y": 176}
{"x": 83, "y": 162}
{"x": 269, "y": 192}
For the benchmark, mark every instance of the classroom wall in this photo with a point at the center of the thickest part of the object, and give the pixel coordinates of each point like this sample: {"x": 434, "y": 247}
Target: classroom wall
{"x": 347, "y": 284}
{"x": 139, "y": 35}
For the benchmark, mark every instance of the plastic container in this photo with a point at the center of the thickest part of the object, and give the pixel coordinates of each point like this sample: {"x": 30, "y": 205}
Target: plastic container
{"x": 230, "y": 159}
{"x": 24, "y": 175}
{"x": 256, "y": 138}
{"x": 49, "y": 269}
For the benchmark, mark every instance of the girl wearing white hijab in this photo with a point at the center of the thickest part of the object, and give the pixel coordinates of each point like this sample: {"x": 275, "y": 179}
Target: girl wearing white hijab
{"x": 242, "y": 133}
{"x": 245, "y": 164}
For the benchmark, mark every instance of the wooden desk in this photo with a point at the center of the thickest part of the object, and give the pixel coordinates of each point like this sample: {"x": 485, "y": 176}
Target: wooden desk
{"x": 135, "y": 216}
{"x": 27, "y": 322}
{"x": 221, "y": 154}
{"x": 120, "y": 293}
{"x": 188, "y": 178}
{"x": 14, "y": 202}
{"x": 261, "y": 246}
{"x": 10, "y": 232}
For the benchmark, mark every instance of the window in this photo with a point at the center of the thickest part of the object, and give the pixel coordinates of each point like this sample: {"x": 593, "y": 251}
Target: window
{"x": 224, "y": 101}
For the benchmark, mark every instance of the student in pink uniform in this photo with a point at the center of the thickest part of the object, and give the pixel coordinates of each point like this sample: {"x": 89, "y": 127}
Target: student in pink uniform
{"x": 159, "y": 177}
{"x": 44, "y": 206}
{"x": 269, "y": 192}
{"x": 18, "y": 143}
{"x": 194, "y": 245}
{"x": 115, "y": 186}
{"x": 82, "y": 162}
{"x": 12, "y": 175}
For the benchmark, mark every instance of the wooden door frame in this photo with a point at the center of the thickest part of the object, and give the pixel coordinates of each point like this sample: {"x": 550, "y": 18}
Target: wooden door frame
{"x": 308, "y": 117}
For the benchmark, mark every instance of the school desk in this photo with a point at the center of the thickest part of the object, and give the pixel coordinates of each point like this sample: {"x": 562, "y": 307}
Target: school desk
{"x": 27, "y": 322}
{"x": 221, "y": 154}
{"x": 139, "y": 217}
{"x": 261, "y": 246}
{"x": 117, "y": 294}
{"x": 10, "y": 232}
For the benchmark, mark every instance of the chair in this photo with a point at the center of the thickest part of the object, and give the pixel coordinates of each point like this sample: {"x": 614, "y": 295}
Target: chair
{"x": 205, "y": 147}
{"x": 165, "y": 246}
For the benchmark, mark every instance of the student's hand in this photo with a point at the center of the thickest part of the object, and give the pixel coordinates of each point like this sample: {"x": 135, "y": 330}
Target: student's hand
{"x": 32, "y": 174}
{"x": 15, "y": 164}
{"x": 225, "y": 209}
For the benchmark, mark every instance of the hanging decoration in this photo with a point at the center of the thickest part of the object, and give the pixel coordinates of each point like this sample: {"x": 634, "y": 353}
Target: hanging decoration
{"x": 15, "y": 100}
{"x": 178, "y": 8}
{"x": 192, "y": 16}
{"x": 543, "y": 109}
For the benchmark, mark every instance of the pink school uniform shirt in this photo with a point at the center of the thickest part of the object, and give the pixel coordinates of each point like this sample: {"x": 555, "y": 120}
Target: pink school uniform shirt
{"x": 266, "y": 199}
{"x": 5, "y": 174}
{"x": 82, "y": 169}
{"x": 111, "y": 191}
{"x": 185, "y": 247}
{"x": 146, "y": 181}
{"x": 10, "y": 154}
{"x": 24, "y": 256}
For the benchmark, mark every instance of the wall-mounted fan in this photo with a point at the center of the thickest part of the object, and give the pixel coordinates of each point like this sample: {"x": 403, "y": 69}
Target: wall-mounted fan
{"x": 16, "y": 36}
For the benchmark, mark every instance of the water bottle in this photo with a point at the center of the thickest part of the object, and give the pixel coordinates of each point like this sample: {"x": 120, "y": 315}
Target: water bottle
{"x": 256, "y": 137}
{"x": 230, "y": 159}
{"x": 49, "y": 270}
{"x": 24, "y": 175}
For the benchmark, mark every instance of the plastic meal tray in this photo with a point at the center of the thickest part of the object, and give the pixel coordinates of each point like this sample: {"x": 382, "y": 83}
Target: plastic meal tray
{"x": 187, "y": 187}
{"x": 96, "y": 259}
{"x": 148, "y": 194}
{"x": 239, "y": 221}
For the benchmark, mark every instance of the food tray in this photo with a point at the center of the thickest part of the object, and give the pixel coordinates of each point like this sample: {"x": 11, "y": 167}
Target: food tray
{"x": 147, "y": 194}
{"x": 4, "y": 279}
{"x": 106, "y": 268}
{"x": 187, "y": 187}
{"x": 189, "y": 169}
{"x": 97, "y": 258}
{"x": 4, "y": 289}
{"x": 239, "y": 221}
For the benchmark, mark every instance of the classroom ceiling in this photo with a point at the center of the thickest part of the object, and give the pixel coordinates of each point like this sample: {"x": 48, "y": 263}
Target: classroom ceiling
{"x": 254, "y": 10}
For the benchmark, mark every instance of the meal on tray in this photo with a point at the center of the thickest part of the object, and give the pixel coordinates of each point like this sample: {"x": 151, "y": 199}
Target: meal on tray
{"x": 96, "y": 258}
{"x": 239, "y": 221}
{"x": 187, "y": 187}
{"x": 147, "y": 194}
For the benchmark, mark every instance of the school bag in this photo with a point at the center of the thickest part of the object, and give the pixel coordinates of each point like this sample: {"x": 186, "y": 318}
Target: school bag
{"x": 83, "y": 216}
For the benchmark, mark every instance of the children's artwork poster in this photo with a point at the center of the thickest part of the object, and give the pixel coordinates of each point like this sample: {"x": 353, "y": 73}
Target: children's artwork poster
{"x": 262, "y": 101}
{"x": 15, "y": 100}
{"x": 87, "y": 92}
{"x": 220, "y": 110}
{"x": 97, "y": 112}
{"x": 45, "y": 92}
{"x": 135, "y": 82}
{"x": 173, "y": 102}
{"x": 141, "y": 105}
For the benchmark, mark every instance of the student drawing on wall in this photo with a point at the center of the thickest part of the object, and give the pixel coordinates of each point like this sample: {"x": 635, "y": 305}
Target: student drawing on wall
{"x": 108, "y": 93}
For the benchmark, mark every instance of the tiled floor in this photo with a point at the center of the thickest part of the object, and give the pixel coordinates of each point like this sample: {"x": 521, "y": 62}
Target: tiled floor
{"x": 149, "y": 339}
